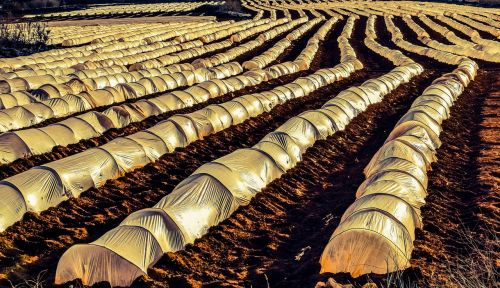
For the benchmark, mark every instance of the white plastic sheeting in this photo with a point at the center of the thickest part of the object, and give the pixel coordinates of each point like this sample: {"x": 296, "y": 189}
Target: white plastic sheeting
{"x": 262, "y": 60}
{"x": 34, "y": 141}
{"x": 122, "y": 155}
{"x": 155, "y": 62}
{"x": 86, "y": 84}
{"x": 29, "y": 82}
{"x": 238, "y": 37}
{"x": 395, "y": 56}
{"x": 236, "y": 27}
{"x": 116, "y": 117}
{"x": 9, "y": 100}
{"x": 34, "y": 113}
{"x": 234, "y": 52}
{"x": 397, "y": 38}
{"x": 346, "y": 51}
{"x": 214, "y": 190}
{"x": 132, "y": 47}
{"x": 491, "y": 45}
{"x": 106, "y": 10}
{"x": 86, "y": 54}
{"x": 377, "y": 231}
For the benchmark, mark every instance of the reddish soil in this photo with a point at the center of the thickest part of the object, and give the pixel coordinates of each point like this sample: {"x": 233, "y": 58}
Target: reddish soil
{"x": 489, "y": 156}
{"x": 260, "y": 244}
{"x": 277, "y": 239}
{"x": 59, "y": 152}
{"x": 463, "y": 189}
{"x": 433, "y": 33}
{"x": 24, "y": 253}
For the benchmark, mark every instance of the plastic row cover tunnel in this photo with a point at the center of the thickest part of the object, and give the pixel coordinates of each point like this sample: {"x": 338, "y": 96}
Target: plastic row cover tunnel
{"x": 190, "y": 42}
{"x": 262, "y": 60}
{"x": 347, "y": 53}
{"x": 155, "y": 62}
{"x": 304, "y": 59}
{"x": 71, "y": 58}
{"x": 82, "y": 83}
{"x": 133, "y": 55}
{"x": 199, "y": 30}
{"x": 29, "y": 82}
{"x": 110, "y": 55}
{"x": 122, "y": 35}
{"x": 376, "y": 233}
{"x": 168, "y": 58}
{"x": 113, "y": 57}
{"x": 492, "y": 45}
{"x": 84, "y": 53}
{"x": 28, "y": 72}
{"x": 35, "y": 141}
{"x": 41, "y": 194}
{"x": 177, "y": 52}
{"x": 109, "y": 10}
{"x": 234, "y": 52}
{"x": 272, "y": 54}
{"x": 395, "y": 56}
{"x": 34, "y": 113}
{"x": 238, "y": 37}
{"x": 216, "y": 189}
{"x": 238, "y": 26}
{"x": 45, "y": 186}
{"x": 462, "y": 46}
{"x": 397, "y": 38}
{"x": 9, "y": 100}
{"x": 79, "y": 85}
{"x": 209, "y": 89}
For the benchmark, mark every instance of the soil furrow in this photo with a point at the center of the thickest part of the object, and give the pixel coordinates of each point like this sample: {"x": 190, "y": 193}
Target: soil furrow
{"x": 457, "y": 191}
{"x": 60, "y": 152}
{"x": 432, "y": 33}
{"x": 371, "y": 60}
{"x": 294, "y": 50}
{"x": 23, "y": 252}
{"x": 277, "y": 239}
{"x": 488, "y": 159}
{"x": 245, "y": 56}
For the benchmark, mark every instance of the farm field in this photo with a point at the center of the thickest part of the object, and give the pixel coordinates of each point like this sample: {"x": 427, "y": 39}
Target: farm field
{"x": 287, "y": 144}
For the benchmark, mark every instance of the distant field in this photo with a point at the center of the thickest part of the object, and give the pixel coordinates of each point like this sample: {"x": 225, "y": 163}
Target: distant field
{"x": 159, "y": 19}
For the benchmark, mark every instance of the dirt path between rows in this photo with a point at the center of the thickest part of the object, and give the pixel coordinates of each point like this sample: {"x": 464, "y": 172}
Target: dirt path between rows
{"x": 278, "y": 238}
{"x": 276, "y": 241}
{"x": 25, "y": 253}
{"x": 59, "y": 152}
{"x": 121, "y": 21}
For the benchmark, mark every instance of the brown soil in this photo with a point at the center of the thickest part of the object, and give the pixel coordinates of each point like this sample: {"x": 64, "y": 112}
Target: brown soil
{"x": 489, "y": 156}
{"x": 24, "y": 253}
{"x": 464, "y": 197}
{"x": 277, "y": 239}
{"x": 59, "y": 152}
{"x": 433, "y": 33}
{"x": 260, "y": 244}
